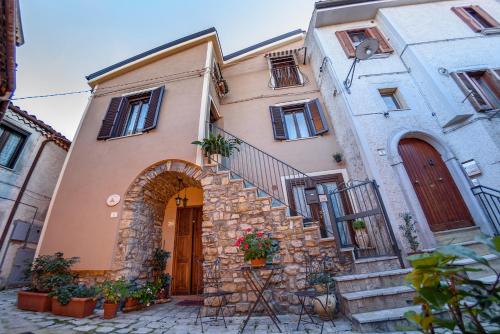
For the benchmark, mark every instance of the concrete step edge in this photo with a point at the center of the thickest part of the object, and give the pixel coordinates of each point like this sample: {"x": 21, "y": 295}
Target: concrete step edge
{"x": 394, "y": 290}
{"x": 384, "y": 315}
{"x": 467, "y": 261}
{"x": 375, "y": 259}
{"x": 386, "y": 273}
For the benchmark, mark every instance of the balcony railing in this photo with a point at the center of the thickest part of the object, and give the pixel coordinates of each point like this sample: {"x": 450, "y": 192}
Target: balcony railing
{"x": 286, "y": 76}
{"x": 489, "y": 199}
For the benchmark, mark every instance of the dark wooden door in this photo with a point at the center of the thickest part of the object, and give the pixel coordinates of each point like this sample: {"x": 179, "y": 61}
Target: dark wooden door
{"x": 187, "y": 251}
{"x": 436, "y": 190}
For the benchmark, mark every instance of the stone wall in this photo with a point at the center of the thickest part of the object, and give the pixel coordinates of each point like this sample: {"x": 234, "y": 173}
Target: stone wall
{"x": 229, "y": 210}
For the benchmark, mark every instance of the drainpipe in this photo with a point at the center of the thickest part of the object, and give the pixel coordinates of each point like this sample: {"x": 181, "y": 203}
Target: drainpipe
{"x": 21, "y": 192}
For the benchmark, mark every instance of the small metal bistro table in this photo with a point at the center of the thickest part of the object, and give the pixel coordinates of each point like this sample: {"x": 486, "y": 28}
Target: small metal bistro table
{"x": 259, "y": 285}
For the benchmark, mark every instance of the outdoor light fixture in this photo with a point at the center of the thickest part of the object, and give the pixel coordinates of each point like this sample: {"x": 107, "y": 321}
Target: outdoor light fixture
{"x": 178, "y": 199}
{"x": 185, "y": 200}
{"x": 364, "y": 50}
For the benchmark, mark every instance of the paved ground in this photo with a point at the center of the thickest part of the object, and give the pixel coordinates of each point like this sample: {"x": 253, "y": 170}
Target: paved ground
{"x": 159, "y": 319}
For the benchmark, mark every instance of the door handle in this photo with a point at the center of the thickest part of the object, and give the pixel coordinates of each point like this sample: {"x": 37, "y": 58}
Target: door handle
{"x": 416, "y": 181}
{"x": 440, "y": 179}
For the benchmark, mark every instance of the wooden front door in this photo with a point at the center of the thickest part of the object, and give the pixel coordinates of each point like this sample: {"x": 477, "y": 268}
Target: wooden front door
{"x": 436, "y": 190}
{"x": 187, "y": 271}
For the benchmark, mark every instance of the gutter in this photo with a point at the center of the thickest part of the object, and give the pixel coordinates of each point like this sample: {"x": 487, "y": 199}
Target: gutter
{"x": 22, "y": 190}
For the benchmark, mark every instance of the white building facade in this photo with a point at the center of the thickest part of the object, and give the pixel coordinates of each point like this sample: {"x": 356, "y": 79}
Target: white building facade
{"x": 422, "y": 115}
{"x": 31, "y": 157}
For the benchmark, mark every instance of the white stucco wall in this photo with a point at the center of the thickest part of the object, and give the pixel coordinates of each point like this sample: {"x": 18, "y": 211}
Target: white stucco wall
{"x": 425, "y": 37}
{"x": 36, "y": 199}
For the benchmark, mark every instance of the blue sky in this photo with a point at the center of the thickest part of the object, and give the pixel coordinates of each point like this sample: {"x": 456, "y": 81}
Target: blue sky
{"x": 68, "y": 39}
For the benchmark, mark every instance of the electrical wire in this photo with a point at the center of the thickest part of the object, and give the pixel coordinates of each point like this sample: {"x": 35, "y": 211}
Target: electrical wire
{"x": 51, "y": 95}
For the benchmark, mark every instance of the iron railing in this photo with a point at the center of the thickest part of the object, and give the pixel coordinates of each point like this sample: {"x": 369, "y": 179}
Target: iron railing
{"x": 270, "y": 175}
{"x": 285, "y": 76}
{"x": 489, "y": 199}
{"x": 361, "y": 200}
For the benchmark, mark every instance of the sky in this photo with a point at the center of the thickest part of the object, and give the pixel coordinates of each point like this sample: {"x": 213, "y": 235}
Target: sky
{"x": 65, "y": 40}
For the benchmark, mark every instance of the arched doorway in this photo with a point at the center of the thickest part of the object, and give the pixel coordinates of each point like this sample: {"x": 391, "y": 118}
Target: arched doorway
{"x": 145, "y": 218}
{"x": 439, "y": 197}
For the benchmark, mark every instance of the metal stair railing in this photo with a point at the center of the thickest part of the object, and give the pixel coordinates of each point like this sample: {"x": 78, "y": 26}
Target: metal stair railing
{"x": 489, "y": 199}
{"x": 268, "y": 174}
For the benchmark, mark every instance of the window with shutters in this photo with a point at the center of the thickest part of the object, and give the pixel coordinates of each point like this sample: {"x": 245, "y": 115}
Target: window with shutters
{"x": 11, "y": 144}
{"x": 297, "y": 121}
{"x": 284, "y": 72}
{"x": 392, "y": 98}
{"x": 481, "y": 88}
{"x": 350, "y": 39}
{"x": 476, "y": 18}
{"x": 132, "y": 114}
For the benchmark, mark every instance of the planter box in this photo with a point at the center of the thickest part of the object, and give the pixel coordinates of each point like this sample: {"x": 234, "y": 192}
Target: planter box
{"x": 34, "y": 301}
{"x": 76, "y": 308}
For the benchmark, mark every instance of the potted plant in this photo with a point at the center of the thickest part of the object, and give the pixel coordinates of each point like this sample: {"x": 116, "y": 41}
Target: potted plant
{"x": 132, "y": 300}
{"x": 159, "y": 262}
{"x": 73, "y": 300}
{"x": 256, "y": 247}
{"x": 325, "y": 304}
{"x": 409, "y": 232}
{"x": 361, "y": 235}
{"x": 47, "y": 273}
{"x": 216, "y": 146}
{"x": 113, "y": 292}
{"x": 163, "y": 283}
{"x": 338, "y": 157}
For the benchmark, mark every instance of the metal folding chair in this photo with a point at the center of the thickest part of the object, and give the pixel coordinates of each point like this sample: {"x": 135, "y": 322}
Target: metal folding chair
{"x": 319, "y": 272}
{"x": 212, "y": 288}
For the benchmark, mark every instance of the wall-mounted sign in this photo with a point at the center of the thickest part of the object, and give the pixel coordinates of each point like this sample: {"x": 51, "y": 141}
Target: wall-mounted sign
{"x": 113, "y": 200}
{"x": 471, "y": 168}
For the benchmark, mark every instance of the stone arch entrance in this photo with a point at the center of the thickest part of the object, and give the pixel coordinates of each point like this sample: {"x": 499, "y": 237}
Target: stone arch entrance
{"x": 140, "y": 228}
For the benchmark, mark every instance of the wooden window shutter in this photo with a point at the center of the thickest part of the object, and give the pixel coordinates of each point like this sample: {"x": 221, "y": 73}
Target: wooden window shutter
{"x": 384, "y": 46}
{"x": 487, "y": 17}
{"x": 346, "y": 43}
{"x": 492, "y": 78}
{"x": 461, "y": 13}
{"x": 468, "y": 88}
{"x": 154, "y": 108}
{"x": 108, "y": 122}
{"x": 278, "y": 122}
{"x": 316, "y": 117}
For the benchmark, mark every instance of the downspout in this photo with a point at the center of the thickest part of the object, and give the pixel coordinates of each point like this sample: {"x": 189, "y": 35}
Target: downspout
{"x": 22, "y": 190}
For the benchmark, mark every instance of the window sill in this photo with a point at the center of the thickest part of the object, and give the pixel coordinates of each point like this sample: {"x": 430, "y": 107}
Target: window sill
{"x": 396, "y": 110}
{"x": 298, "y": 139}
{"x": 491, "y": 31}
{"x": 127, "y": 136}
{"x": 286, "y": 87}
{"x": 12, "y": 170}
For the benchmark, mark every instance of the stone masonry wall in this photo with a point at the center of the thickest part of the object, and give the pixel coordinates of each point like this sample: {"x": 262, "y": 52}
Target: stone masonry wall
{"x": 229, "y": 210}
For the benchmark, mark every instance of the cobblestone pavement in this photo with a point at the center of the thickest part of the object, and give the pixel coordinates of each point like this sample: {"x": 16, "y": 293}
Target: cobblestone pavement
{"x": 159, "y": 319}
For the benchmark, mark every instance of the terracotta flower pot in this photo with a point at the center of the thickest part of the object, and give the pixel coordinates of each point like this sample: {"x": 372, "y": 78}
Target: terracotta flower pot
{"x": 258, "y": 262}
{"x": 34, "y": 301}
{"x": 319, "y": 307}
{"x": 76, "y": 308}
{"x": 110, "y": 310}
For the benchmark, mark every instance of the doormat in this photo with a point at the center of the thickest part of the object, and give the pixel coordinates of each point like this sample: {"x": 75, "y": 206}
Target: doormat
{"x": 188, "y": 302}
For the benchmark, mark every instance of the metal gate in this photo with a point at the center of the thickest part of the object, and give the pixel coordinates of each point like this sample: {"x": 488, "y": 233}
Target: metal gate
{"x": 357, "y": 204}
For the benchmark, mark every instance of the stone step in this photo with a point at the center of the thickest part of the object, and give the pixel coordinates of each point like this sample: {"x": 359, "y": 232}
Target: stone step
{"x": 376, "y": 299}
{"x": 376, "y": 280}
{"x": 493, "y": 259}
{"x": 383, "y": 321}
{"x": 474, "y": 245}
{"x": 376, "y": 264}
{"x": 457, "y": 236}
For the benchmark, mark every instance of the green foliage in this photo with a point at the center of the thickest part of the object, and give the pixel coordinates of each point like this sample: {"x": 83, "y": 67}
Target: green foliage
{"x": 160, "y": 258}
{"x": 164, "y": 280}
{"x": 114, "y": 291}
{"x": 65, "y": 293}
{"x": 442, "y": 286}
{"x": 145, "y": 294}
{"x": 255, "y": 245}
{"x": 358, "y": 224}
{"x": 409, "y": 231}
{"x": 49, "y": 272}
{"x": 218, "y": 145}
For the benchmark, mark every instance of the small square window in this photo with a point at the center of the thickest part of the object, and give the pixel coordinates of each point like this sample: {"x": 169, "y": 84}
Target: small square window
{"x": 136, "y": 116}
{"x": 357, "y": 36}
{"x": 11, "y": 144}
{"x": 391, "y": 99}
{"x": 295, "y": 122}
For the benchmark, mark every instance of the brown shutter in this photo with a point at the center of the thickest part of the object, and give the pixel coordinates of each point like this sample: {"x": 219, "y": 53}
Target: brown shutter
{"x": 492, "y": 78}
{"x": 461, "y": 13}
{"x": 467, "y": 86}
{"x": 316, "y": 117}
{"x": 346, "y": 43}
{"x": 384, "y": 46}
{"x": 115, "y": 106}
{"x": 278, "y": 122}
{"x": 154, "y": 108}
{"x": 494, "y": 23}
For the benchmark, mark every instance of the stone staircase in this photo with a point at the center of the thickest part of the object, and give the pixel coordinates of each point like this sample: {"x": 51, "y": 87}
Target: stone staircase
{"x": 377, "y": 295}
